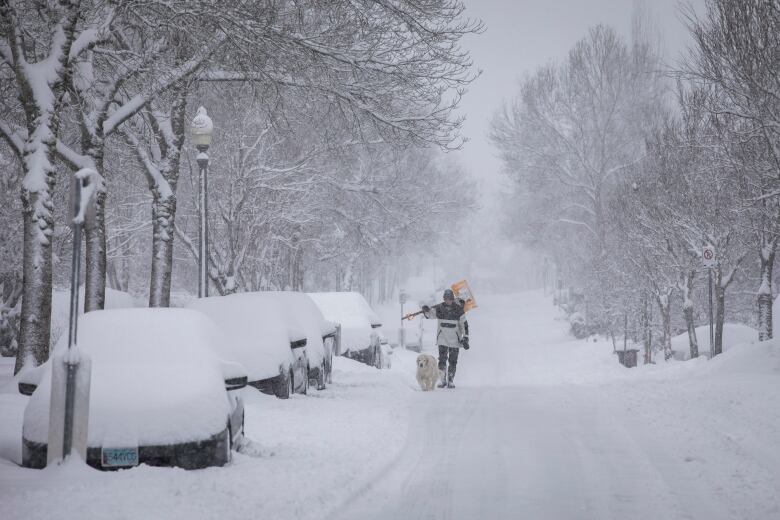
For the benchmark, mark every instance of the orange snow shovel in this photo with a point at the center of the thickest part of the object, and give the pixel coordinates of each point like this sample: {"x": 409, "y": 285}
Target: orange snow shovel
{"x": 463, "y": 292}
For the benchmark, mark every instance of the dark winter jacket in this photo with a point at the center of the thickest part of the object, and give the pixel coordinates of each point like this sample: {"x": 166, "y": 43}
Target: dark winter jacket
{"x": 452, "y": 324}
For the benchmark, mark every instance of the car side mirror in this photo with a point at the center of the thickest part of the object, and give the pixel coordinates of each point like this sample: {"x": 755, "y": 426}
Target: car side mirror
{"x": 234, "y": 375}
{"x": 298, "y": 343}
{"x": 30, "y": 378}
{"x": 235, "y": 383}
{"x": 27, "y": 388}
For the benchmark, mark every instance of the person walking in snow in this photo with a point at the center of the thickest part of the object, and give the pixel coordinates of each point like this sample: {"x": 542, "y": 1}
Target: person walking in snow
{"x": 452, "y": 334}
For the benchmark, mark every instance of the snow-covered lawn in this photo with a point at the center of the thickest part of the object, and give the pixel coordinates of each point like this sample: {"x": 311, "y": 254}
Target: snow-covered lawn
{"x": 540, "y": 426}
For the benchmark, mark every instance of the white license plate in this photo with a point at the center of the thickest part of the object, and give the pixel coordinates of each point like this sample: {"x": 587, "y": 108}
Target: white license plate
{"x": 119, "y": 457}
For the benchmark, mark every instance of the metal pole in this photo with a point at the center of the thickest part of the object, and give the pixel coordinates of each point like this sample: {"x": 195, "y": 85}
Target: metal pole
{"x": 203, "y": 236}
{"x": 402, "y": 339}
{"x": 712, "y": 336}
{"x": 70, "y": 382}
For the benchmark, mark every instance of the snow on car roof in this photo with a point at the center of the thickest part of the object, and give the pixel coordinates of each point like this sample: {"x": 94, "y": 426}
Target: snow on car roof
{"x": 342, "y": 306}
{"x": 300, "y": 312}
{"x": 257, "y": 334}
{"x": 155, "y": 378}
{"x": 354, "y": 314}
{"x": 60, "y": 308}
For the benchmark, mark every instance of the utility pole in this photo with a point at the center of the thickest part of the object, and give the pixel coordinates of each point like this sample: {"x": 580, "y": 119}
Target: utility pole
{"x": 708, "y": 261}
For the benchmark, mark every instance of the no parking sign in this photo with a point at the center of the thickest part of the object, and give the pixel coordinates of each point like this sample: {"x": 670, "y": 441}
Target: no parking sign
{"x": 708, "y": 257}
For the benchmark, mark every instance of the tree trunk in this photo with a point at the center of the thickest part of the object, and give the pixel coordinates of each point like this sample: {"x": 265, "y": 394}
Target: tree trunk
{"x": 297, "y": 266}
{"x": 664, "y": 305}
{"x": 687, "y": 290}
{"x": 348, "y": 280}
{"x": 764, "y": 296}
{"x": 10, "y": 295}
{"x": 35, "y": 325}
{"x": 42, "y": 108}
{"x": 163, "y": 214}
{"x": 647, "y": 335}
{"x": 95, "y": 235}
{"x": 720, "y": 314}
{"x": 164, "y": 204}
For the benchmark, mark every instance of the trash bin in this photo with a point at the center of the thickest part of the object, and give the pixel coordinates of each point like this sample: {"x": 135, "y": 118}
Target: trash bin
{"x": 628, "y": 357}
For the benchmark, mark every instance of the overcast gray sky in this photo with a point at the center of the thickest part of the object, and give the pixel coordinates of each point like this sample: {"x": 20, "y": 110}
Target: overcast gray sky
{"x": 524, "y": 34}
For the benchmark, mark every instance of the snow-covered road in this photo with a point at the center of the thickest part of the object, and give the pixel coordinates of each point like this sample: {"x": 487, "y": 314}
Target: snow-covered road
{"x": 546, "y": 427}
{"x": 540, "y": 426}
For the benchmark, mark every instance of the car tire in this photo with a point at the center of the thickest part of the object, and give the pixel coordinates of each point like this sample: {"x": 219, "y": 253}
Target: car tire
{"x": 229, "y": 445}
{"x": 321, "y": 377}
{"x": 285, "y": 388}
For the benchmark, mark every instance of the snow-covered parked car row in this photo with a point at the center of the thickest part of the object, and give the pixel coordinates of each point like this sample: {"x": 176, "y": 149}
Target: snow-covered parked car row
{"x": 163, "y": 381}
{"x": 361, "y": 336}
{"x": 281, "y": 339}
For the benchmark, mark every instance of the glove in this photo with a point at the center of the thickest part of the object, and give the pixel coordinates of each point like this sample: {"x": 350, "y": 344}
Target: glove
{"x": 425, "y": 308}
{"x": 465, "y": 343}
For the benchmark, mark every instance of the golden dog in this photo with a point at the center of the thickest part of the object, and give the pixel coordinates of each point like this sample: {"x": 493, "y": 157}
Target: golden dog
{"x": 427, "y": 372}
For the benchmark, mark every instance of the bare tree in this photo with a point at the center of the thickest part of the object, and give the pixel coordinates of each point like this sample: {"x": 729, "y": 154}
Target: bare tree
{"x": 38, "y": 45}
{"x": 737, "y": 52}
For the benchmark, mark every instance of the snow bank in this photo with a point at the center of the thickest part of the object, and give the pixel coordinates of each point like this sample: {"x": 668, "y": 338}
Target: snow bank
{"x": 257, "y": 334}
{"x": 155, "y": 379}
{"x": 354, "y": 314}
{"x": 733, "y": 334}
{"x": 756, "y": 358}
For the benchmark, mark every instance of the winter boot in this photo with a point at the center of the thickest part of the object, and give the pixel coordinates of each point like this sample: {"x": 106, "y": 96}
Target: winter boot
{"x": 443, "y": 382}
{"x": 450, "y": 377}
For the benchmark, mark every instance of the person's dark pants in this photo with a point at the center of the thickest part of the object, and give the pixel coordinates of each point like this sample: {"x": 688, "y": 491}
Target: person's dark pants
{"x": 453, "y": 361}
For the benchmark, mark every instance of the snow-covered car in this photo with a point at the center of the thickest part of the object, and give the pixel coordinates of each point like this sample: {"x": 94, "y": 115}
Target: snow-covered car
{"x": 302, "y": 315}
{"x": 413, "y": 333}
{"x": 417, "y": 334}
{"x": 60, "y": 308}
{"x": 361, "y": 337}
{"x": 159, "y": 394}
{"x": 260, "y": 336}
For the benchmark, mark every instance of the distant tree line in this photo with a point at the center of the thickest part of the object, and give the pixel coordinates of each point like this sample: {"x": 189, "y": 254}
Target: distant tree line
{"x": 623, "y": 169}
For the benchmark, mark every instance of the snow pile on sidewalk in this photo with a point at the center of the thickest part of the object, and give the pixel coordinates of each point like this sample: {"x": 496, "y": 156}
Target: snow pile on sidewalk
{"x": 733, "y": 334}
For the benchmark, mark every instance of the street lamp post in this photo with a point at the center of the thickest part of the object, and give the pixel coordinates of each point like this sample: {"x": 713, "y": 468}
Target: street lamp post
{"x": 202, "y": 128}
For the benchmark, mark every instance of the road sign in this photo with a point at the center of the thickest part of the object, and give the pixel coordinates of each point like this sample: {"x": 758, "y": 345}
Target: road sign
{"x": 708, "y": 257}
{"x": 402, "y": 297}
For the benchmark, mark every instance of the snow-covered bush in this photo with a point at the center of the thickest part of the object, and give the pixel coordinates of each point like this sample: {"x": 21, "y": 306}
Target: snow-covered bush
{"x": 578, "y": 326}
